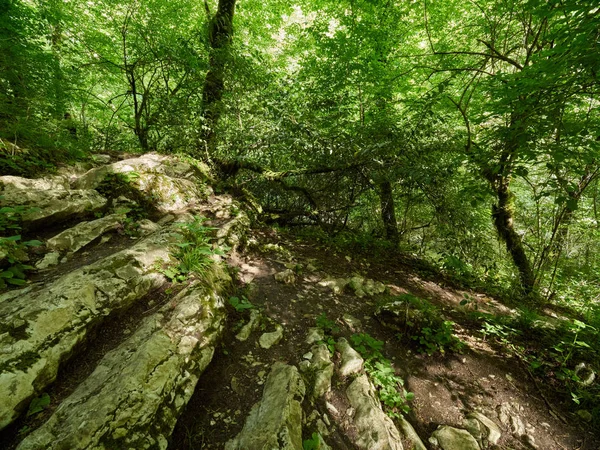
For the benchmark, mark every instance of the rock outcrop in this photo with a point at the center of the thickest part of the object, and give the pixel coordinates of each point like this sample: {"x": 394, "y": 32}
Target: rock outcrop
{"x": 82, "y": 234}
{"x": 46, "y": 207}
{"x": 375, "y": 429}
{"x": 171, "y": 183}
{"x": 42, "y": 327}
{"x": 158, "y": 368}
{"x": 276, "y": 421}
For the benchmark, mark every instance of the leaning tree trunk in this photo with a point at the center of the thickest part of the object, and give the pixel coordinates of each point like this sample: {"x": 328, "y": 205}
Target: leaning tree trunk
{"x": 388, "y": 211}
{"x": 220, "y": 35}
{"x": 504, "y": 222}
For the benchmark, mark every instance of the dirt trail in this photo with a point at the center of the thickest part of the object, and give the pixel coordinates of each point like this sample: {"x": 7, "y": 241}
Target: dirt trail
{"x": 446, "y": 387}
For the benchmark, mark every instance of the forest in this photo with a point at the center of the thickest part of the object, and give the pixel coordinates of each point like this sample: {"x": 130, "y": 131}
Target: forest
{"x": 460, "y": 138}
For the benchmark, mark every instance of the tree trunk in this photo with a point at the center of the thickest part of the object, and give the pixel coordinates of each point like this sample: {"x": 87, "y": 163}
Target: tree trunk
{"x": 503, "y": 221}
{"x": 220, "y": 35}
{"x": 388, "y": 211}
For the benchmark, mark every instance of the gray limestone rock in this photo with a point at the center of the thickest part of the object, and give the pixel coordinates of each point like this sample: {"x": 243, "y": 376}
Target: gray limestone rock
{"x": 354, "y": 323}
{"x": 352, "y": 362}
{"x": 174, "y": 184}
{"x": 508, "y": 413}
{"x": 315, "y": 334}
{"x": 233, "y": 233}
{"x": 375, "y": 430}
{"x": 323, "y": 370}
{"x": 410, "y": 434}
{"x": 59, "y": 315}
{"x": 51, "y": 206}
{"x": 252, "y": 324}
{"x": 77, "y": 237}
{"x": 49, "y": 260}
{"x": 268, "y": 340}
{"x": 276, "y": 421}
{"x": 492, "y": 430}
{"x": 133, "y": 398}
{"x": 169, "y": 166}
{"x": 11, "y": 183}
{"x": 101, "y": 159}
{"x": 147, "y": 227}
{"x": 287, "y": 277}
{"x": 337, "y": 285}
{"x": 450, "y": 438}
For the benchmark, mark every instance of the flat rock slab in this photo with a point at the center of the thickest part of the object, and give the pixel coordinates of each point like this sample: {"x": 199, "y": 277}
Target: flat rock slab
{"x": 173, "y": 184}
{"x": 133, "y": 398}
{"x": 276, "y": 421}
{"x": 74, "y": 239}
{"x": 375, "y": 430}
{"x": 11, "y": 183}
{"x": 493, "y": 432}
{"x": 323, "y": 370}
{"x": 41, "y": 327}
{"x": 410, "y": 434}
{"x": 352, "y": 362}
{"x": 248, "y": 328}
{"x": 150, "y": 163}
{"x": 54, "y": 205}
{"x": 450, "y": 438}
{"x": 268, "y": 340}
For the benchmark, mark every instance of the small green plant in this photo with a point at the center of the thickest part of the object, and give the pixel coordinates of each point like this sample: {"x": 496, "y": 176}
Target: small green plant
{"x": 422, "y": 322}
{"x": 469, "y": 302}
{"x": 314, "y": 443}
{"x": 12, "y": 248}
{"x": 566, "y": 347}
{"x": 442, "y": 337}
{"x": 327, "y": 325}
{"x": 240, "y": 304}
{"x": 38, "y": 404}
{"x": 390, "y": 387}
{"x": 195, "y": 255}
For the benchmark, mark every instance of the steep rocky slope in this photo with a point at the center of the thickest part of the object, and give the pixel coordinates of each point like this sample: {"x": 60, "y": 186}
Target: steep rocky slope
{"x": 103, "y": 253}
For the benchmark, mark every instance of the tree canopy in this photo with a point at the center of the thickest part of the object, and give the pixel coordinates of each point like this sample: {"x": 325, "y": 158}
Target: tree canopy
{"x": 466, "y": 133}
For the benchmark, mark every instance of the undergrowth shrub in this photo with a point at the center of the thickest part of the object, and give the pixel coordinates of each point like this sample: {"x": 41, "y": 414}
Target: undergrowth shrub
{"x": 195, "y": 254}
{"x": 390, "y": 387}
{"x": 420, "y": 322}
{"x": 13, "y": 250}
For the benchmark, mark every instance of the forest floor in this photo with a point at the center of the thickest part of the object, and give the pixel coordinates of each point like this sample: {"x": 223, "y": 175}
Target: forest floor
{"x": 286, "y": 282}
{"x": 482, "y": 377}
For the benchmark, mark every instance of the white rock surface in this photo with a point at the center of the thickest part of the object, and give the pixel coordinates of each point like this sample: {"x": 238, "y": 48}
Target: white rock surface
{"x": 276, "y": 421}
{"x": 375, "y": 429}
{"x": 352, "y": 362}
{"x": 57, "y": 317}
{"x": 134, "y": 396}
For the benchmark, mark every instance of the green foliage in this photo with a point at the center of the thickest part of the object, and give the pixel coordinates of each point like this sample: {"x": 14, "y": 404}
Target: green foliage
{"x": 390, "y": 387}
{"x": 240, "y": 304}
{"x": 425, "y": 325}
{"x": 440, "y": 338}
{"x": 38, "y": 404}
{"x": 195, "y": 255}
{"x": 329, "y": 328}
{"x": 12, "y": 248}
{"x": 314, "y": 443}
{"x": 327, "y": 325}
{"x": 553, "y": 350}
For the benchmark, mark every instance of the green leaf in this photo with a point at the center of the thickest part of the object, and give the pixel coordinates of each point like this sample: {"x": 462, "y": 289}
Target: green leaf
{"x": 38, "y": 404}
{"x": 572, "y": 204}
{"x": 33, "y": 243}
